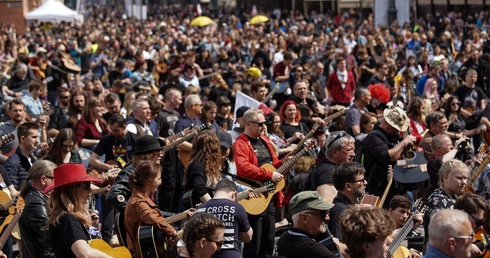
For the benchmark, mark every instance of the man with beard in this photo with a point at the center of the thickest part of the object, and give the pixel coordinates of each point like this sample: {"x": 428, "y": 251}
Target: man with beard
{"x": 350, "y": 183}
{"x": 113, "y": 105}
{"x": 17, "y": 83}
{"x": 59, "y": 118}
{"x": 382, "y": 147}
{"x": 75, "y": 109}
{"x": 17, "y": 112}
{"x": 339, "y": 149}
{"x": 309, "y": 213}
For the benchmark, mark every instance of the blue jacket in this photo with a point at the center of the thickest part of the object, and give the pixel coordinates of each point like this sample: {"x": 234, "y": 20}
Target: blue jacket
{"x": 17, "y": 167}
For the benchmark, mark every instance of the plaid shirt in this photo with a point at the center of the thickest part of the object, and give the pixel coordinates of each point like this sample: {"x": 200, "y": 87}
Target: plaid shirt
{"x": 482, "y": 184}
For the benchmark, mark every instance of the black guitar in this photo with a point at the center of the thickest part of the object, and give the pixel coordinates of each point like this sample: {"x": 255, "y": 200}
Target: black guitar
{"x": 411, "y": 173}
{"x": 151, "y": 241}
{"x": 330, "y": 245}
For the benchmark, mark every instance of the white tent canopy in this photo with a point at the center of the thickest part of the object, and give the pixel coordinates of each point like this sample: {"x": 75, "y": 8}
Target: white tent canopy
{"x": 53, "y": 11}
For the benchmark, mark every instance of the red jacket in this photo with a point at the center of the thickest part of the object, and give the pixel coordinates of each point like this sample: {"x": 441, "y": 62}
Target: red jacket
{"x": 337, "y": 94}
{"x": 247, "y": 163}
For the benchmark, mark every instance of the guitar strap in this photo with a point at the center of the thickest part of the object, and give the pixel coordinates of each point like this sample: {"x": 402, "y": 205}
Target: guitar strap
{"x": 245, "y": 180}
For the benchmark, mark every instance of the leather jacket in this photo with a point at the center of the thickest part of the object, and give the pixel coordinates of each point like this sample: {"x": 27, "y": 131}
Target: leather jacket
{"x": 120, "y": 191}
{"x": 33, "y": 225}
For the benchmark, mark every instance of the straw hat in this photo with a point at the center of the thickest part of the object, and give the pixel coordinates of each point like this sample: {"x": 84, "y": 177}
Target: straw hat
{"x": 397, "y": 118}
{"x": 69, "y": 174}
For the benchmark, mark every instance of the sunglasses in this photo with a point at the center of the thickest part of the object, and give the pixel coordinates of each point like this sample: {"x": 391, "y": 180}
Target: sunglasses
{"x": 84, "y": 186}
{"x": 478, "y": 223}
{"x": 455, "y": 104}
{"x": 218, "y": 243}
{"x": 260, "y": 123}
{"x": 340, "y": 135}
{"x": 322, "y": 214}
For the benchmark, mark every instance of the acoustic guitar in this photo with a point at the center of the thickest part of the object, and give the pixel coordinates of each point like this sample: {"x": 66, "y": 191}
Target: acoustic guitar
{"x": 395, "y": 249}
{"x": 316, "y": 126}
{"x": 101, "y": 245}
{"x": 19, "y": 208}
{"x": 185, "y": 156}
{"x": 151, "y": 241}
{"x": 468, "y": 188}
{"x": 256, "y": 206}
{"x": 375, "y": 201}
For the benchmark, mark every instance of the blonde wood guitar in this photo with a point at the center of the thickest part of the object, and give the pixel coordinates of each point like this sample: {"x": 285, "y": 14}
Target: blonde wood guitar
{"x": 19, "y": 208}
{"x": 376, "y": 201}
{"x": 256, "y": 206}
{"x": 468, "y": 188}
{"x": 119, "y": 252}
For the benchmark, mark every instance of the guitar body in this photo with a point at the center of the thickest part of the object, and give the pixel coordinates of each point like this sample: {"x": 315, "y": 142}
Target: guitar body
{"x": 256, "y": 206}
{"x": 283, "y": 86}
{"x": 401, "y": 252}
{"x": 185, "y": 157}
{"x": 120, "y": 252}
{"x": 371, "y": 200}
{"x": 151, "y": 242}
{"x": 486, "y": 136}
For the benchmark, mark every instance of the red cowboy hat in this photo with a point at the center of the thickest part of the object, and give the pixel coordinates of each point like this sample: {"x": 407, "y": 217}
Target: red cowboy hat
{"x": 68, "y": 174}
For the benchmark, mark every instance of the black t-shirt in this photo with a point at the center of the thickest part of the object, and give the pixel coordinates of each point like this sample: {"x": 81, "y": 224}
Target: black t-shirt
{"x": 114, "y": 148}
{"x": 365, "y": 75}
{"x": 322, "y": 174}
{"x": 15, "y": 84}
{"x": 261, "y": 150}
{"x": 296, "y": 243}
{"x": 290, "y": 130}
{"x": 68, "y": 231}
{"x": 470, "y": 98}
{"x": 221, "y": 121}
{"x": 166, "y": 122}
{"x": 115, "y": 75}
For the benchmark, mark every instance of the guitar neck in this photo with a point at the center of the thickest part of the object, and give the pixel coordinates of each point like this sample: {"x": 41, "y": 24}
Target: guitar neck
{"x": 8, "y": 230}
{"x": 285, "y": 166}
{"x": 174, "y": 137}
{"x": 476, "y": 174}
{"x": 388, "y": 186}
{"x": 269, "y": 96}
{"x": 179, "y": 141}
{"x": 307, "y": 136}
{"x": 177, "y": 217}
{"x": 244, "y": 194}
{"x": 400, "y": 236}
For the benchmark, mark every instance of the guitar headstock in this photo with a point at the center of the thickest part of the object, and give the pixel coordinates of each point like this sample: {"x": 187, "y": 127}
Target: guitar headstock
{"x": 311, "y": 144}
{"x": 420, "y": 206}
{"x": 113, "y": 172}
{"x": 390, "y": 173}
{"x": 6, "y": 139}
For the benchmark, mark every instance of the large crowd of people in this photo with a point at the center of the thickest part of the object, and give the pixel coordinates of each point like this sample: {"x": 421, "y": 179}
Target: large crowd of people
{"x": 116, "y": 124}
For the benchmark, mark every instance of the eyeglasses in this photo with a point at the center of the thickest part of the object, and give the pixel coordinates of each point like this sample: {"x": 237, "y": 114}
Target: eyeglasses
{"x": 260, "y": 123}
{"x": 50, "y": 177}
{"x": 322, "y": 214}
{"x": 218, "y": 243}
{"x": 340, "y": 135}
{"x": 358, "y": 181}
{"x": 65, "y": 97}
{"x": 198, "y": 104}
{"x": 478, "y": 223}
{"x": 84, "y": 186}
{"x": 465, "y": 237}
{"x": 455, "y": 104}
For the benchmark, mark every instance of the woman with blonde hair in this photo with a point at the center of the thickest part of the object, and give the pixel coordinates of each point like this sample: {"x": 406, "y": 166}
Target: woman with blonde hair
{"x": 69, "y": 221}
{"x": 203, "y": 172}
{"x": 129, "y": 97}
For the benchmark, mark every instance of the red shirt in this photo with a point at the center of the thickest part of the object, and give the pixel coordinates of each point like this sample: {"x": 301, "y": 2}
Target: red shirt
{"x": 337, "y": 94}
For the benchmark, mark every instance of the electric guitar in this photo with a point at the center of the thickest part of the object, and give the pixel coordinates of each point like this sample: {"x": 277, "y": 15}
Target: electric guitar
{"x": 375, "y": 201}
{"x": 151, "y": 241}
{"x": 256, "y": 206}
{"x": 395, "y": 249}
{"x": 19, "y": 208}
{"x": 101, "y": 245}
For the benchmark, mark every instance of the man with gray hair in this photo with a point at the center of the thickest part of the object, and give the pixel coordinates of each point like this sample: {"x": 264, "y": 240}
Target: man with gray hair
{"x": 141, "y": 123}
{"x": 339, "y": 149}
{"x": 451, "y": 234}
{"x": 17, "y": 83}
{"x": 190, "y": 119}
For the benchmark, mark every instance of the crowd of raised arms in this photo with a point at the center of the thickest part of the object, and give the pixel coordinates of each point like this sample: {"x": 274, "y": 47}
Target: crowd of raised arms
{"x": 277, "y": 136}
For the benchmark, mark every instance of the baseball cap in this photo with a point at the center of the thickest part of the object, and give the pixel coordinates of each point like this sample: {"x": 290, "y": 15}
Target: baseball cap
{"x": 240, "y": 111}
{"x": 308, "y": 200}
{"x": 225, "y": 139}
